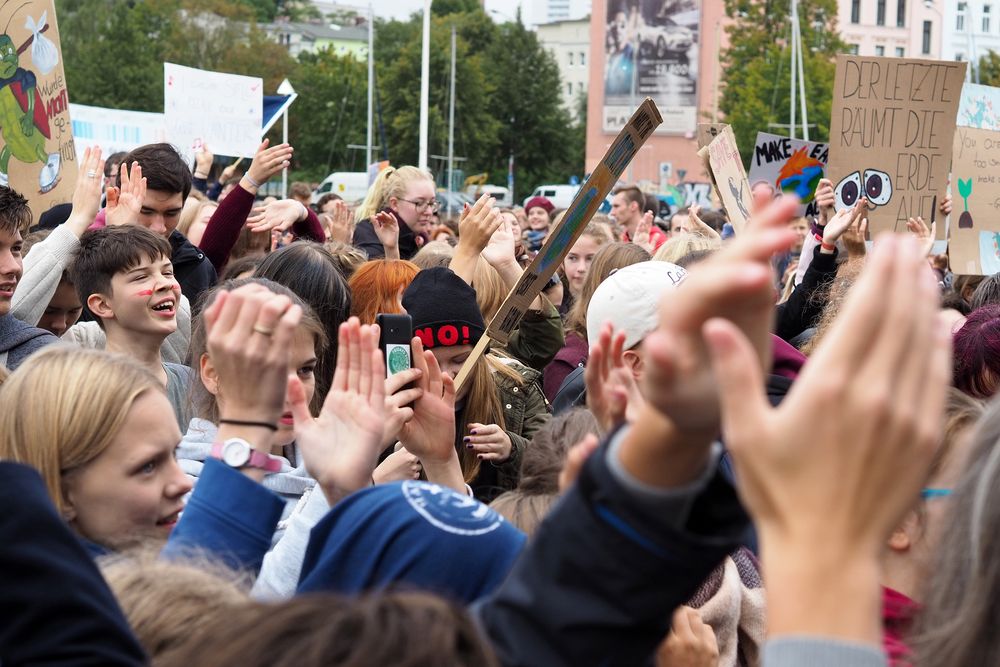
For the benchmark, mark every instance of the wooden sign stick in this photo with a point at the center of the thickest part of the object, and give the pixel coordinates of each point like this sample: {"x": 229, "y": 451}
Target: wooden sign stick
{"x": 588, "y": 199}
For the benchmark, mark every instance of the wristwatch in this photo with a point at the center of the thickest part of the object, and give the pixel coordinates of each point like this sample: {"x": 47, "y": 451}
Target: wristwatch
{"x": 237, "y": 453}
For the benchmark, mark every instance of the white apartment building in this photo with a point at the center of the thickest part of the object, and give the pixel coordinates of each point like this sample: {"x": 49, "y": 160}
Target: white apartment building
{"x": 569, "y": 43}
{"x": 972, "y": 28}
{"x": 547, "y": 11}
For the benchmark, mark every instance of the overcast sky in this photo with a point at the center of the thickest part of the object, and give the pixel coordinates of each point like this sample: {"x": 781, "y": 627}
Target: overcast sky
{"x": 401, "y": 9}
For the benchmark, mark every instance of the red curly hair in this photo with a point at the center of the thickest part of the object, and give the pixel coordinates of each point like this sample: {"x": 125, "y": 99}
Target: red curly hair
{"x": 377, "y": 285}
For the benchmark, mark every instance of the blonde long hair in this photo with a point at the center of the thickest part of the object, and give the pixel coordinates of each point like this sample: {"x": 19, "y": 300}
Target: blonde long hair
{"x": 79, "y": 399}
{"x": 390, "y": 182}
{"x": 483, "y": 405}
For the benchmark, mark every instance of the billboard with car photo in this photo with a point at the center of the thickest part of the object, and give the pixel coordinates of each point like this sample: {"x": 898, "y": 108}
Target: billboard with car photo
{"x": 651, "y": 50}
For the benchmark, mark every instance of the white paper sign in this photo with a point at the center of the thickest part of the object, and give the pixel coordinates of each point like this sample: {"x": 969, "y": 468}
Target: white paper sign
{"x": 224, "y": 111}
{"x": 115, "y": 130}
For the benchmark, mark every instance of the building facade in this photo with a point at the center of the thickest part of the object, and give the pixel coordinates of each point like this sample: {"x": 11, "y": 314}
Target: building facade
{"x": 569, "y": 43}
{"x": 547, "y": 11}
{"x": 312, "y": 37}
{"x": 972, "y": 29}
{"x": 637, "y": 51}
{"x": 899, "y": 28}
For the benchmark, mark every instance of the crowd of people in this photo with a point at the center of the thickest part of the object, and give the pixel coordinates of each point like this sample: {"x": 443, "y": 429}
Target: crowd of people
{"x": 697, "y": 448}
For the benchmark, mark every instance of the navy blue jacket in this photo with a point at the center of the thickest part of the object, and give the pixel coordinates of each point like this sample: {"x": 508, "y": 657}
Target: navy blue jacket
{"x": 55, "y": 608}
{"x": 598, "y": 583}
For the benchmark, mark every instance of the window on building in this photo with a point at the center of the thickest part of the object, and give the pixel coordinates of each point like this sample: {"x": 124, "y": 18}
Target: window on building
{"x": 880, "y": 13}
{"x": 569, "y": 88}
{"x": 960, "y": 17}
{"x": 901, "y": 13}
{"x": 900, "y": 52}
{"x": 880, "y": 50}
{"x": 570, "y": 58}
{"x": 926, "y": 46}
{"x": 583, "y": 58}
{"x": 986, "y": 17}
{"x": 855, "y": 11}
{"x": 579, "y": 87}
{"x": 852, "y": 49}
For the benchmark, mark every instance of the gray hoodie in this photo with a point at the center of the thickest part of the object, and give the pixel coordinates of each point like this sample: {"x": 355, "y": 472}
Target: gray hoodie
{"x": 18, "y": 341}
{"x": 290, "y": 482}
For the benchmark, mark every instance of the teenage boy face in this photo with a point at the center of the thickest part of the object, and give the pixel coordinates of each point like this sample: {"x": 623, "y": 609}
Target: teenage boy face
{"x": 161, "y": 211}
{"x": 63, "y": 310}
{"x": 143, "y": 299}
{"x": 10, "y": 267}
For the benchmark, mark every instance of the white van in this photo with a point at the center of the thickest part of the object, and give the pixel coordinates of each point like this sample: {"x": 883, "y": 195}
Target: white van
{"x": 501, "y": 194}
{"x": 351, "y": 186}
{"x": 561, "y": 196}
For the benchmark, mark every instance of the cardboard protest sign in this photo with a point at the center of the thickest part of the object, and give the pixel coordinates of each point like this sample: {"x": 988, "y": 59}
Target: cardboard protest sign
{"x": 224, "y": 111}
{"x": 891, "y": 133}
{"x": 730, "y": 178}
{"x": 974, "y": 237}
{"x": 561, "y": 238}
{"x": 709, "y": 131}
{"x": 980, "y": 107}
{"x": 37, "y": 155}
{"x": 792, "y": 166}
{"x": 115, "y": 130}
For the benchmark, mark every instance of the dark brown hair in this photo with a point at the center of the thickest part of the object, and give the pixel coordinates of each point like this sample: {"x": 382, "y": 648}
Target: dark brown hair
{"x": 162, "y": 167}
{"x": 323, "y": 630}
{"x": 15, "y": 215}
{"x": 542, "y": 461}
{"x": 633, "y": 194}
{"x": 107, "y": 251}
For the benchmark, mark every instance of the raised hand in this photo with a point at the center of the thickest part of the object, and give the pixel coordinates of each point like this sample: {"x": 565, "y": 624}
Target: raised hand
{"x": 828, "y": 485}
{"x": 576, "y": 456}
{"x": 696, "y": 225}
{"x": 842, "y": 220}
{"x": 826, "y": 200}
{"x": 499, "y": 251}
{"x": 266, "y": 163}
{"x": 397, "y": 467}
{"x": 735, "y": 283}
{"x": 478, "y": 223}
{"x": 612, "y": 393}
{"x": 430, "y": 433}
{"x": 341, "y": 446}
{"x": 250, "y": 332}
{"x": 87, "y": 195}
{"x": 398, "y": 403}
{"x": 854, "y": 238}
{"x": 387, "y": 230}
{"x": 341, "y": 224}
{"x": 125, "y": 201}
{"x": 280, "y": 215}
{"x": 203, "y": 160}
{"x": 642, "y": 230}
{"x": 918, "y": 228}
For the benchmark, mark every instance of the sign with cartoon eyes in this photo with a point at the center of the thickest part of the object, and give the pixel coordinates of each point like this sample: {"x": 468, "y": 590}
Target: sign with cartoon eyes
{"x": 872, "y": 184}
{"x": 891, "y": 130}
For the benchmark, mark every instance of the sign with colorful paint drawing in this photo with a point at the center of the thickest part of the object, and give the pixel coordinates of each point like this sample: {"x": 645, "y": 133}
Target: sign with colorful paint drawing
{"x": 974, "y": 237}
{"x": 891, "y": 133}
{"x": 792, "y": 166}
{"x": 37, "y": 154}
{"x": 980, "y": 107}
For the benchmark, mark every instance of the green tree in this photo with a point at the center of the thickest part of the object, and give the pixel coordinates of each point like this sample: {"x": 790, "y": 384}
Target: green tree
{"x": 756, "y": 67}
{"x": 536, "y": 128}
{"x": 989, "y": 69}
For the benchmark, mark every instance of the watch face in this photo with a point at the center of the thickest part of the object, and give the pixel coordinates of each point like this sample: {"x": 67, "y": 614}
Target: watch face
{"x": 235, "y": 453}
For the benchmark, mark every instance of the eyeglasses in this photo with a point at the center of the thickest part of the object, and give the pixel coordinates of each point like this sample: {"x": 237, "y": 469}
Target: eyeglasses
{"x": 421, "y": 205}
{"x": 927, "y": 494}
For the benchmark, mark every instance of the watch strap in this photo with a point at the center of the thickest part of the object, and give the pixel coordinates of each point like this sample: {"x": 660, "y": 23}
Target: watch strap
{"x": 258, "y": 460}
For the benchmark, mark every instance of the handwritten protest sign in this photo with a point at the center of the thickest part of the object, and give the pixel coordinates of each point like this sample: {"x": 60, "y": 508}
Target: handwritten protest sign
{"x": 115, "y": 129}
{"x": 980, "y": 107}
{"x": 891, "y": 133}
{"x": 974, "y": 243}
{"x": 223, "y": 110}
{"x": 709, "y": 131}
{"x": 730, "y": 178}
{"x": 37, "y": 155}
{"x": 793, "y": 166}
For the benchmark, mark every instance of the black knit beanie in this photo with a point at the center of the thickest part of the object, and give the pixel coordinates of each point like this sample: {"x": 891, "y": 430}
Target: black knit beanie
{"x": 444, "y": 309}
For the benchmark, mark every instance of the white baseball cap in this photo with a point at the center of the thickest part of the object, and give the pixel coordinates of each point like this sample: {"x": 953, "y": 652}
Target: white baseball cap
{"x": 630, "y": 299}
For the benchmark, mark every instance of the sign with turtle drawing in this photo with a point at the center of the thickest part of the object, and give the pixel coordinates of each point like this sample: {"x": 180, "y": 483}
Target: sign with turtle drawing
{"x": 974, "y": 237}
{"x": 37, "y": 154}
